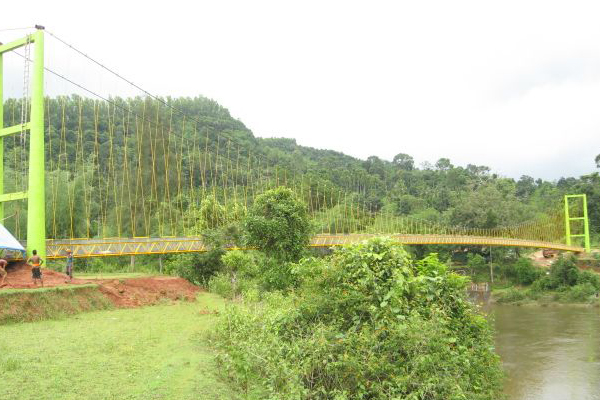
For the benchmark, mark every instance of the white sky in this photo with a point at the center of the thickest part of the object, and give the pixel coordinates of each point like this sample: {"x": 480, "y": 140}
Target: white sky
{"x": 514, "y": 85}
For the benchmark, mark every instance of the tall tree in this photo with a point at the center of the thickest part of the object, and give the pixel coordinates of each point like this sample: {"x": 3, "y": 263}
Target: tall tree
{"x": 278, "y": 224}
{"x": 404, "y": 161}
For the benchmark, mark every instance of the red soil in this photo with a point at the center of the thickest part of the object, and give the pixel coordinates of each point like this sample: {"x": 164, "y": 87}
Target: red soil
{"x": 19, "y": 277}
{"x": 137, "y": 292}
{"x": 132, "y": 292}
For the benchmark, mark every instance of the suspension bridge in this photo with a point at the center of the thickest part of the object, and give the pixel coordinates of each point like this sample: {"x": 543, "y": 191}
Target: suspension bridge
{"x": 108, "y": 176}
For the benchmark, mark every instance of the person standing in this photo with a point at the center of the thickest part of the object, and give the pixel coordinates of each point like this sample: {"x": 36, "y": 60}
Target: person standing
{"x": 3, "y": 264}
{"x": 36, "y": 267}
{"x": 69, "y": 266}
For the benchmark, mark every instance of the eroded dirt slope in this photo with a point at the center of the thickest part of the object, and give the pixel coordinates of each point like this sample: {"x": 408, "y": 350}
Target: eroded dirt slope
{"x": 132, "y": 292}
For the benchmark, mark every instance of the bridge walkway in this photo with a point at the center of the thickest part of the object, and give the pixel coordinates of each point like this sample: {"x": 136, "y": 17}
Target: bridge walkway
{"x": 56, "y": 248}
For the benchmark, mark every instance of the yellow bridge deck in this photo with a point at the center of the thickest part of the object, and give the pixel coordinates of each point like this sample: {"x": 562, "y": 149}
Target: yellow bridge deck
{"x": 56, "y": 248}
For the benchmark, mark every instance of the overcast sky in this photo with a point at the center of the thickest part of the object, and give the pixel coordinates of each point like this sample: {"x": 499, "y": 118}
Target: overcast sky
{"x": 514, "y": 85}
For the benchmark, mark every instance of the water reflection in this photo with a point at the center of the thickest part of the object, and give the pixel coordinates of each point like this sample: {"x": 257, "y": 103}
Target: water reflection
{"x": 549, "y": 353}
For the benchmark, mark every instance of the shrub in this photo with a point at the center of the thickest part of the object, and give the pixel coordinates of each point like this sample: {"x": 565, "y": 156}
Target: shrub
{"x": 512, "y": 295}
{"x": 278, "y": 224}
{"x": 238, "y": 275}
{"x": 589, "y": 277}
{"x": 197, "y": 268}
{"x": 525, "y": 273}
{"x": 579, "y": 293}
{"x": 476, "y": 263}
{"x": 277, "y": 275}
{"x": 564, "y": 271}
{"x": 230, "y": 287}
{"x": 366, "y": 323}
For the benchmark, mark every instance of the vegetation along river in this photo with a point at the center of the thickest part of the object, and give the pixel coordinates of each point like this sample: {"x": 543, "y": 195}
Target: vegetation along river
{"x": 549, "y": 353}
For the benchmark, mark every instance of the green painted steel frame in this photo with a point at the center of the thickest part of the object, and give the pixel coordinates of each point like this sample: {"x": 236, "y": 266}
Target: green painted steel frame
{"x": 584, "y": 217}
{"x": 36, "y": 207}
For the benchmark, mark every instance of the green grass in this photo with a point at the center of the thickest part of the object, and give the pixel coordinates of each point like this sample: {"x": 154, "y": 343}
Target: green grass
{"x": 8, "y": 292}
{"x": 145, "y": 353}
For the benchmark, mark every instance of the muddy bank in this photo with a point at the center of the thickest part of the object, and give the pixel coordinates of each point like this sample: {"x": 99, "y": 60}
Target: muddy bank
{"x": 23, "y": 301}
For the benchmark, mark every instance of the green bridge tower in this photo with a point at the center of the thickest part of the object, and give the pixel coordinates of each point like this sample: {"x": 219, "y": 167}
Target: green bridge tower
{"x": 584, "y": 225}
{"x": 35, "y": 193}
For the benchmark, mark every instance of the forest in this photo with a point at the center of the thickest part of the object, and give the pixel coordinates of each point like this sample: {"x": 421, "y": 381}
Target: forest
{"x": 145, "y": 167}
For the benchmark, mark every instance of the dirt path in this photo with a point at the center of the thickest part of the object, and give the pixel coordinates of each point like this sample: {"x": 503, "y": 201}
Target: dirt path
{"x": 131, "y": 292}
{"x": 539, "y": 259}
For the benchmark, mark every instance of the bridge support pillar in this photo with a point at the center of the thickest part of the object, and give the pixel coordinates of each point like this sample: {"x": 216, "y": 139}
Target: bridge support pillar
{"x": 36, "y": 204}
{"x": 584, "y": 229}
{"x": 1, "y": 138}
{"x": 35, "y": 193}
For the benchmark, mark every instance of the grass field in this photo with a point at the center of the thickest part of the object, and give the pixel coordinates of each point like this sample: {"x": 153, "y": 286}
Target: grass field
{"x": 145, "y": 353}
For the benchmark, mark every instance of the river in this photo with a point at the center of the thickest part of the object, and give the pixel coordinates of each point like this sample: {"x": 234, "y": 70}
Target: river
{"x": 549, "y": 353}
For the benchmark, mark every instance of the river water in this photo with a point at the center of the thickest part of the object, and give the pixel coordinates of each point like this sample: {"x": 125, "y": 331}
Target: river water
{"x": 549, "y": 353}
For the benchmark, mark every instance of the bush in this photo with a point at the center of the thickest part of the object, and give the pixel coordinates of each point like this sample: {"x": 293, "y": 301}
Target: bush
{"x": 564, "y": 271}
{"x": 566, "y": 281}
{"x": 278, "y": 224}
{"x": 512, "y": 295}
{"x": 590, "y": 278}
{"x": 366, "y": 323}
{"x": 476, "y": 263}
{"x": 579, "y": 293}
{"x": 525, "y": 273}
{"x": 197, "y": 268}
{"x": 245, "y": 271}
{"x": 239, "y": 274}
{"x": 225, "y": 286}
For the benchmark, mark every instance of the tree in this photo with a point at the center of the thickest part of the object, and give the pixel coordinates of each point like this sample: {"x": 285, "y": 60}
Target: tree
{"x": 478, "y": 170}
{"x": 525, "y": 187}
{"x": 597, "y": 159}
{"x": 443, "y": 164}
{"x": 476, "y": 263}
{"x": 375, "y": 166}
{"x": 212, "y": 214}
{"x": 278, "y": 224}
{"x": 404, "y": 161}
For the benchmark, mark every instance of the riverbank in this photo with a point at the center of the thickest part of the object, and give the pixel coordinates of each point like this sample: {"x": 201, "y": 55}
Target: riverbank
{"x": 573, "y": 296}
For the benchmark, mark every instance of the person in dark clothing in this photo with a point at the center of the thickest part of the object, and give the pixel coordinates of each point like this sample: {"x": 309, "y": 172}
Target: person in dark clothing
{"x": 36, "y": 267}
{"x": 69, "y": 266}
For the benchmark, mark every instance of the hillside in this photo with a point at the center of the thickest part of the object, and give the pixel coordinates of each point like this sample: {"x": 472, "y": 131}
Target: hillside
{"x": 160, "y": 142}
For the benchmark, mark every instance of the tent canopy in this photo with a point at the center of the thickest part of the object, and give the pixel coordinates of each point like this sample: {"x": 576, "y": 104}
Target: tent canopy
{"x": 8, "y": 241}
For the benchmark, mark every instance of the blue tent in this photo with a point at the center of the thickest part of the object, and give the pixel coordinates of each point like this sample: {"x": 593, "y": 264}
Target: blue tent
{"x": 9, "y": 242}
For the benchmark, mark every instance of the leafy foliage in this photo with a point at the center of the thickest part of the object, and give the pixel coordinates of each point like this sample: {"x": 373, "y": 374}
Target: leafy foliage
{"x": 565, "y": 282}
{"x": 278, "y": 224}
{"x": 476, "y": 263}
{"x": 565, "y": 273}
{"x": 366, "y": 323}
{"x": 523, "y": 272}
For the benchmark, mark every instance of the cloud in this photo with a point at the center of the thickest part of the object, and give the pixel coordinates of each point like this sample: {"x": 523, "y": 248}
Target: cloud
{"x": 513, "y": 85}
